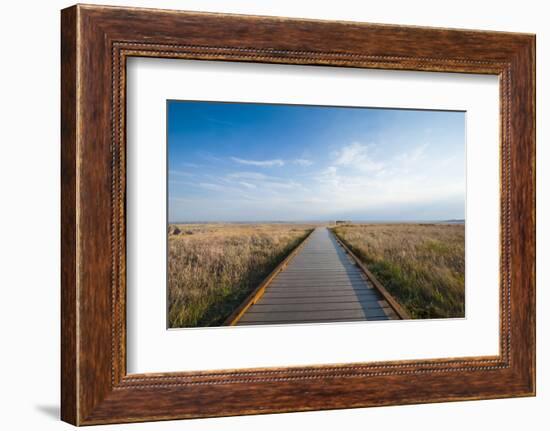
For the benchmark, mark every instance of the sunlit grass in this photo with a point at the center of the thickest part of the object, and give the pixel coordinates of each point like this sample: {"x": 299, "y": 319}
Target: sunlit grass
{"x": 213, "y": 267}
{"x": 421, "y": 265}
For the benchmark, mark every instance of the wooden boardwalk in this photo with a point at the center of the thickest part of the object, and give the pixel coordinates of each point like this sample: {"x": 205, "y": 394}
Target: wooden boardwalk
{"x": 320, "y": 284}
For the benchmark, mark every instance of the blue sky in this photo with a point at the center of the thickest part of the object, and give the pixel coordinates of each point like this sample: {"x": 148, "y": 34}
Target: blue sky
{"x": 264, "y": 162}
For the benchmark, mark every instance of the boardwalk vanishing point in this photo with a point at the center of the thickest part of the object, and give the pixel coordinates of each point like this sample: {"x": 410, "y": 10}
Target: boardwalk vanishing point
{"x": 319, "y": 282}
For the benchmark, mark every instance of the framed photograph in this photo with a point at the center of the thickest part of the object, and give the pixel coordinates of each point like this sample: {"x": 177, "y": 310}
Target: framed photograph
{"x": 265, "y": 215}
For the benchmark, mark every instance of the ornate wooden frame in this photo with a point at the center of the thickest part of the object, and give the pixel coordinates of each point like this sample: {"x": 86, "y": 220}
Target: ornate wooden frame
{"x": 95, "y": 43}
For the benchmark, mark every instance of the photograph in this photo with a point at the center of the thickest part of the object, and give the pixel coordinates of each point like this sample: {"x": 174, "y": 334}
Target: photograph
{"x": 291, "y": 214}
{"x": 325, "y": 209}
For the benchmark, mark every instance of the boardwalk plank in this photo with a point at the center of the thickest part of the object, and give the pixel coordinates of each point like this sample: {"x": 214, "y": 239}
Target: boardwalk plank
{"x": 279, "y": 299}
{"x": 336, "y": 290}
{"x": 295, "y": 316}
{"x": 320, "y": 284}
{"x": 326, "y": 306}
{"x": 316, "y": 321}
{"x": 317, "y": 294}
{"x": 321, "y": 276}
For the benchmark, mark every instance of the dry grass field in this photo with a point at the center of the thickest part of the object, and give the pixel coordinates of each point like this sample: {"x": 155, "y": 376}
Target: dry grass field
{"x": 421, "y": 265}
{"x": 213, "y": 267}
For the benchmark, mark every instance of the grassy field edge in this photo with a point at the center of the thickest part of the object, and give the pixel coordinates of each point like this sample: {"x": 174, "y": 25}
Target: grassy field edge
{"x": 361, "y": 256}
{"x": 222, "y": 266}
{"x": 398, "y": 284}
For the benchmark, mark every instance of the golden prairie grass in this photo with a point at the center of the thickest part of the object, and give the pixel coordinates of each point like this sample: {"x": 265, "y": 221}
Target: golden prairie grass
{"x": 213, "y": 267}
{"x": 421, "y": 265}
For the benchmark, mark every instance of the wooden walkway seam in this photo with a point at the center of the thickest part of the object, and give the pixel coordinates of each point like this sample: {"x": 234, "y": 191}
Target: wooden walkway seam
{"x": 320, "y": 281}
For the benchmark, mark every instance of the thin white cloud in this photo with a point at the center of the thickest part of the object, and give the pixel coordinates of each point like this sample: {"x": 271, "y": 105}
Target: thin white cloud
{"x": 213, "y": 187}
{"x": 329, "y": 176}
{"x": 410, "y": 160}
{"x": 260, "y": 163}
{"x": 357, "y": 155}
{"x": 210, "y": 158}
{"x": 190, "y": 165}
{"x": 287, "y": 185}
{"x": 248, "y": 176}
{"x": 359, "y": 181}
{"x": 181, "y": 182}
{"x": 247, "y": 185}
{"x": 261, "y": 184}
{"x": 216, "y": 121}
{"x": 414, "y": 155}
{"x": 303, "y": 162}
